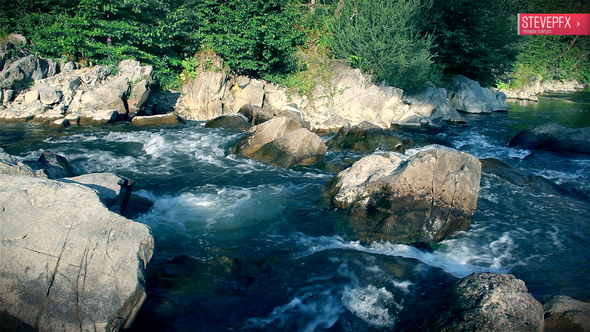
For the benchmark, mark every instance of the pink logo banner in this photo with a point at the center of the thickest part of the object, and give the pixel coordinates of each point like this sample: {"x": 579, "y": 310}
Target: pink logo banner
{"x": 554, "y": 24}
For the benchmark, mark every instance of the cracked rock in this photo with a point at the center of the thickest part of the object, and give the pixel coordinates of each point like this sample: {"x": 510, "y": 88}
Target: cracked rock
{"x": 68, "y": 263}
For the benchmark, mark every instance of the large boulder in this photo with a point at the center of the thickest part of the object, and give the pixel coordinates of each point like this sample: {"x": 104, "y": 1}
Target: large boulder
{"x": 554, "y": 137}
{"x": 282, "y": 142}
{"x": 68, "y": 263}
{"x": 366, "y": 137}
{"x": 562, "y": 313}
{"x": 299, "y": 147}
{"x": 468, "y": 96}
{"x": 425, "y": 199}
{"x": 489, "y": 302}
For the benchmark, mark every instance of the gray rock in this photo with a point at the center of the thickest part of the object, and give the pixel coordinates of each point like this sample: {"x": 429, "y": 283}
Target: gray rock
{"x": 53, "y": 165}
{"x": 12, "y": 166}
{"x": 96, "y": 117}
{"x": 96, "y": 75}
{"x": 348, "y": 186}
{"x": 252, "y": 94}
{"x": 109, "y": 96}
{"x": 160, "y": 119}
{"x": 236, "y": 122}
{"x": 554, "y": 137}
{"x": 468, "y": 96}
{"x": 489, "y": 302}
{"x": 49, "y": 95}
{"x": 264, "y": 133}
{"x": 140, "y": 92}
{"x": 255, "y": 114}
{"x": 298, "y": 147}
{"x": 134, "y": 71}
{"x": 19, "y": 74}
{"x": 114, "y": 191}
{"x": 282, "y": 142}
{"x": 203, "y": 95}
{"x": 67, "y": 262}
{"x": 366, "y": 137}
{"x": 431, "y": 102}
{"x": 562, "y": 313}
{"x": 425, "y": 199}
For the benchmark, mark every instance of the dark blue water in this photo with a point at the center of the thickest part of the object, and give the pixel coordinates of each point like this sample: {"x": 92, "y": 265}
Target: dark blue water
{"x": 241, "y": 245}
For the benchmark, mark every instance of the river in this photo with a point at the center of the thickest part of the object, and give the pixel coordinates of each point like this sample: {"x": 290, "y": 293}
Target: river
{"x": 241, "y": 245}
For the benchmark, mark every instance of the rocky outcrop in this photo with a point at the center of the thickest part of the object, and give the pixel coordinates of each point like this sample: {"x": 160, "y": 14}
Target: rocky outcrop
{"x": 282, "y": 142}
{"x": 255, "y": 114}
{"x": 366, "y": 137}
{"x": 468, "y": 96}
{"x": 92, "y": 95}
{"x": 536, "y": 87}
{"x": 562, "y": 313}
{"x": 489, "y": 302}
{"x": 554, "y": 137}
{"x": 425, "y": 199}
{"x": 428, "y": 103}
{"x": 67, "y": 262}
{"x": 12, "y": 166}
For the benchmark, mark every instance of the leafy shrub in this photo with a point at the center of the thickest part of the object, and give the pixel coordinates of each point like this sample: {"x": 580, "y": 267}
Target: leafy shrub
{"x": 382, "y": 38}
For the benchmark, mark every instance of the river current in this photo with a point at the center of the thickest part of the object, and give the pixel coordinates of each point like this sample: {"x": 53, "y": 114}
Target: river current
{"x": 241, "y": 245}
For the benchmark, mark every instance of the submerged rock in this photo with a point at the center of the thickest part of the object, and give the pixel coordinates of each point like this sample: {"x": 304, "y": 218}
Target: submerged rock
{"x": 425, "y": 199}
{"x": 554, "y": 137}
{"x": 489, "y": 302}
{"x": 67, "y": 262}
{"x": 366, "y": 137}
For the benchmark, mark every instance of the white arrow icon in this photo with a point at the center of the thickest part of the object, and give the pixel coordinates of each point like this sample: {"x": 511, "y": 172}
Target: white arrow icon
{"x": 578, "y": 24}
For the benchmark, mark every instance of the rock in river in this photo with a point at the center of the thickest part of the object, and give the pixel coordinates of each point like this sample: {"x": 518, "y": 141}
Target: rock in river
{"x": 554, "y": 137}
{"x": 68, "y": 263}
{"x": 425, "y": 199}
{"x": 489, "y": 302}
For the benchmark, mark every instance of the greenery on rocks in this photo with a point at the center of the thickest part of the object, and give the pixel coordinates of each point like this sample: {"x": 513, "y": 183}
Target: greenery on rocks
{"x": 293, "y": 42}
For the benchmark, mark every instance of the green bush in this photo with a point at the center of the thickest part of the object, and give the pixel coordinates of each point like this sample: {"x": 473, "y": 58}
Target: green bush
{"x": 382, "y": 38}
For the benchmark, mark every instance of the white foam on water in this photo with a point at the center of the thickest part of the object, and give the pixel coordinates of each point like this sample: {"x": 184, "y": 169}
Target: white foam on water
{"x": 214, "y": 208}
{"x": 156, "y": 146}
{"x": 301, "y": 314}
{"x": 369, "y": 304}
{"x": 323, "y": 299}
{"x": 483, "y": 146}
{"x": 457, "y": 259}
{"x": 414, "y": 151}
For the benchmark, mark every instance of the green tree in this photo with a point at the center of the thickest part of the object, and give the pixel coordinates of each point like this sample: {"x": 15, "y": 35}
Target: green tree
{"x": 383, "y": 38}
{"x": 477, "y": 39}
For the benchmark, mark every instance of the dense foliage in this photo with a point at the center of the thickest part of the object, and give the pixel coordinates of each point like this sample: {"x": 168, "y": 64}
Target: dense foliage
{"x": 382, "y": 37}
{"x": 291, "y": 41}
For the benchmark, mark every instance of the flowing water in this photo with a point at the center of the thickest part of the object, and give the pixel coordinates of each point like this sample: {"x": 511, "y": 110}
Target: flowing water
{"x": 241, "y": 245}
